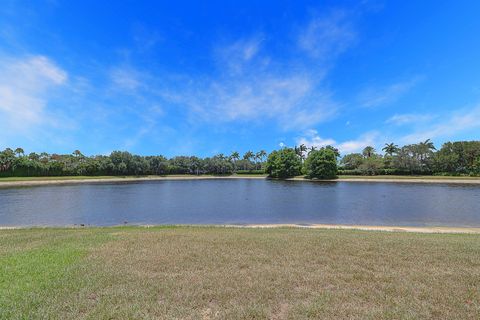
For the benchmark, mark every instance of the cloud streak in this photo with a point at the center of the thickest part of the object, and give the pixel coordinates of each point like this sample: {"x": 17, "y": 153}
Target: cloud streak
{"x": 408, "y": 118}
{"x": 448, "y": 126}
{"x": 374, "y": 97}
{"x": 251, "y": 86}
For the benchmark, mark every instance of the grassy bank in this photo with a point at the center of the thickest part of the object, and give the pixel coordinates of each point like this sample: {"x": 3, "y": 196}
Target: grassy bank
{"x": 395, "y": 177}
{"x": 12, "y": 179}
{"x": 235, "y": 273}
{"x": 76, "y": 178}
{"x": 38, "y": 180}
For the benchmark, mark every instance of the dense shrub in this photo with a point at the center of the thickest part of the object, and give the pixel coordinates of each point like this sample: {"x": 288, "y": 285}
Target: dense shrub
{"x": 321, "y": 164}
{"x": 283, "y": 163}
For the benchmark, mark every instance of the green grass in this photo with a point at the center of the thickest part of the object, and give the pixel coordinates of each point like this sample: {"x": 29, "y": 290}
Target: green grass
{"x": 236, "y": 273}
{"x": 58, "y": 178}
{"x": 410, "y": 177}
{"x": 13, "y": 179}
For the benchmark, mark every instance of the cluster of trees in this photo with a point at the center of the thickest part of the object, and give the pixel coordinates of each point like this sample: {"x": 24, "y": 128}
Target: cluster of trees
{"x": 17, "y": 163}
{"x": 288, "y": 162}
{"x": 453, "y": 158}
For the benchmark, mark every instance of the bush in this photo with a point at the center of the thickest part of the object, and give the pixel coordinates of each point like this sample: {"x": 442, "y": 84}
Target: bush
{"x": 283, "y": 163}
{"x": 321, "y": 164}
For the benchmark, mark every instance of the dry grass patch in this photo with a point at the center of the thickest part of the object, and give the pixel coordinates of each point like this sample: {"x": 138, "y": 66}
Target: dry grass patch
{"x": 215, "y": 273}
{"x": 232, "y": 273}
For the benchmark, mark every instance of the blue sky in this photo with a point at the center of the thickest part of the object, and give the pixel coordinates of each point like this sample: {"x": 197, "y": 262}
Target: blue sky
{"x": 211, "y": 77}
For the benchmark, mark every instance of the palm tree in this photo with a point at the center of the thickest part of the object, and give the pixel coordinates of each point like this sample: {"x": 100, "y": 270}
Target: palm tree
{"x": 428, "y": 144}
{"x": 77, "y": 153}
{"x": 247, "y": 156}
{"x": 262, "y": 154}
{"x": 368, "y": 151}
{"x": 19, "y": 151}
{"x": 312, "y": 148}
{"x": 425, "y": 148}
{"x": 390, "y": 148}
{"x": 235, "y": 156}
{"x": 300, "y": 151}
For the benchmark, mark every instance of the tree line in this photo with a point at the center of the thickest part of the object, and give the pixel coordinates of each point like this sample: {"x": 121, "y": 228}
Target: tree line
{"x": 17, "y": 163}
{"x": 453, "y": 158}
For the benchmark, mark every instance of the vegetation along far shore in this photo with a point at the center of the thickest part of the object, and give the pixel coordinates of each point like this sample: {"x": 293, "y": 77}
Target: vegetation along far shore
{"x": 459, "y": 158}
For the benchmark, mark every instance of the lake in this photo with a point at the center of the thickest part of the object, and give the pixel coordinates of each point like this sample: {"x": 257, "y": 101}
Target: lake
{"x": 242, "y": 201}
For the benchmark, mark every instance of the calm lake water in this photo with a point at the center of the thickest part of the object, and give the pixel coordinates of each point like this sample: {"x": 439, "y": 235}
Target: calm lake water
{"x": 242, "y": 201}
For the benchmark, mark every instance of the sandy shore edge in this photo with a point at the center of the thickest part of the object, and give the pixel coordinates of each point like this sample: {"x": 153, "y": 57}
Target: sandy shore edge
{"x": 443, "y": 230}
{"x": 6, "y": 184}
{"x": 108, "y": 180}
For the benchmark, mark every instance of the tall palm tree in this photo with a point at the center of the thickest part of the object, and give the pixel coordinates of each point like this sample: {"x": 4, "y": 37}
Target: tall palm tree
{"x": 300, "y": 151}
{"x": 247, "y": 157}
{"x": 235, "y": 156}
{"x": 19, "y": 151}
{"x": 390, "y": 148}
{"x": 77, "y": 153}
{"x": 368, "y": 151}
{"x": 428, "y": 144}
{"x": 262, "y": 154}
{"x": 425, "y": 148}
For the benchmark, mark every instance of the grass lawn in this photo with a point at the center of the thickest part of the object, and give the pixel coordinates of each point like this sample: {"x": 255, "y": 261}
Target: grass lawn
{"x": 237, "y": 273}
{"x": 57, "y": 178}
{"x": 410, "y": 177}
{"x": 391, "y": 177}
{"x": 13, "y": 179}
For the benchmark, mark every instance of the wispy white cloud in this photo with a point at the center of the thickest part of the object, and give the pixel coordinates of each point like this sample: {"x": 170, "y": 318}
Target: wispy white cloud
{"x": 408, "y": 118}
{"x": 312, "y": 138}
{"x": 447, "y": 126}
{"x": 126, "y": 78}
{"x": 373, "y": 97}
{"x": 356, "y": 145}
{"x": 25, "y": 85}
{"x": 240, "y": 55}
{"x": 328, "y": 35}
{"x": 249, "y": 85}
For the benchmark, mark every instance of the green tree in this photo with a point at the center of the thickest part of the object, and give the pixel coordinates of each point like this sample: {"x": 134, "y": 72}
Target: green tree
{"x": 368, "y": 151}
{"x": 371, "y": 165}
{"x": 19, "y": 152}
{"x": 352, "y": 161}
{"x": 248, "y": 156}
{"x": 300, "y": 151}
{"x": 390, "y": 148}
{"x": 321, "y": 164}
{"x": 283, "y": 163}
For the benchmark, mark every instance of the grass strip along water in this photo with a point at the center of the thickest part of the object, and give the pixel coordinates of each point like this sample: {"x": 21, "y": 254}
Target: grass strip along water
{"x": 237, "y": 273}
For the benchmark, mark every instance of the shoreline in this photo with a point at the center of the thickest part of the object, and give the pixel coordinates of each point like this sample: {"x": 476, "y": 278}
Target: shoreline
{"x": 341, "y": 227}
{"x": 93, "y": 180}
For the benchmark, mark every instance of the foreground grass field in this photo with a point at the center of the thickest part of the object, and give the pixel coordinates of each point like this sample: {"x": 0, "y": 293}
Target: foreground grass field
{"x": 237, "y": 273}
{"x": 395, "y": 177}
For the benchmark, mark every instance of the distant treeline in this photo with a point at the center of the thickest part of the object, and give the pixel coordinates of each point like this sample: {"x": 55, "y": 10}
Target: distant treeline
{"x": 17, "y": 163}
{"x": 453, "y": 158}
